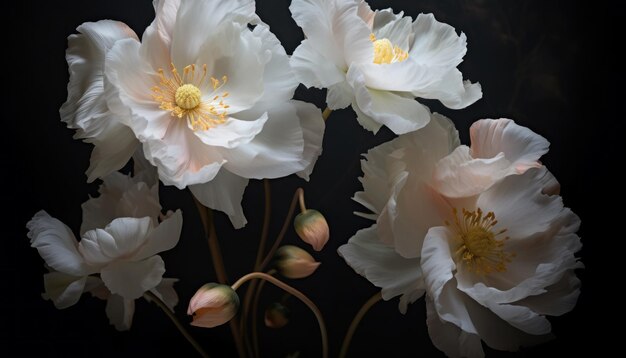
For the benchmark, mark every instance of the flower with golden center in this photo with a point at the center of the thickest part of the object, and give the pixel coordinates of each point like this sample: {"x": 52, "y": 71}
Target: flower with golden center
{"x": 480, "y": 229}
{"x": 207, "y": 93}
{"x": 379, "y": 62}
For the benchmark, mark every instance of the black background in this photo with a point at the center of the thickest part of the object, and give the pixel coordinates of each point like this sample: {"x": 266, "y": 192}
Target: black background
{"x": 552, "y": 66}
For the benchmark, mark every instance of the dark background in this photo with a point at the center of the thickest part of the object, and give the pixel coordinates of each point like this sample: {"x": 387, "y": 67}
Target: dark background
{"x": 552, "y": 66}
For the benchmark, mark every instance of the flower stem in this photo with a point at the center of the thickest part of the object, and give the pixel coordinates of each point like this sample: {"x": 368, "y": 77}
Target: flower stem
{"x": 206, "y": 216}
{"x": 273, "y": 280}
{"x": 355, "y": 323}
{"x": 301, "y": 200}
{"x": 283, "y": 230}
{"x": 326, "y": 113}
{"x": 153, "y": 298}
{"x": 255, "y": 314}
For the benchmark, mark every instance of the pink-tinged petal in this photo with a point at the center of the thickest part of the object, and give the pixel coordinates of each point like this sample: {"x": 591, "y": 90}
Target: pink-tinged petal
{"x": 366, "y": 14}
{"x": 459, "y": 175}
{"x": 521, "y": 146}
{"x": 382, "y": 266}
{"x": 224, "y": 193}
{"x": 233, "y": 132}
{"x": 62, "y": 289}
{"x": 197, "y": 21}
{"x": 57, "y": 245}
{"x": 128, "y": 85}
{"x": 120, "y": 312}
{"x": 131, "y": 279}
{"x": 181, "y": 158}
{"x": 398, "y": 113}
{"x": 162, "y": 238}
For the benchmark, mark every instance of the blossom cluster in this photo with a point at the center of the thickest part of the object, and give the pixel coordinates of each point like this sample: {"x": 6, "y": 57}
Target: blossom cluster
{"x": 204, "y": 101}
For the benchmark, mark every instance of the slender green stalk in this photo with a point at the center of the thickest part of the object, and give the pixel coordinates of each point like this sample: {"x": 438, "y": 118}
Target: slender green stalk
{"x": 153, "y": 298}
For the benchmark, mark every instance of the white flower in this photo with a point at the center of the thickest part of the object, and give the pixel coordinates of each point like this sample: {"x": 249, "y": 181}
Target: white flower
{"x": 379, "y": 62}
{"x": 494, "y": 262}
{"x": 124, "y": 254}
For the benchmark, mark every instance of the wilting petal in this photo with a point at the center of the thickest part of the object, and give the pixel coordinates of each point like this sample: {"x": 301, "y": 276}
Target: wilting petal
{"x": 120, "y": 312}
{"x": 62, "y": 289}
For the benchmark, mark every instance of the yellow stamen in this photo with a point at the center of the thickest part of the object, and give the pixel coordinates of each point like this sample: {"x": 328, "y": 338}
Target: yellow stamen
{"x": 182, "y": 97}
{"x": 386, "y": 52}
{"x": 479, "y": 249}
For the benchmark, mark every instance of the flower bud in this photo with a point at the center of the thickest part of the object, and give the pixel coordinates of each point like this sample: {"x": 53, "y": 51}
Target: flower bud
{"x": 293, "y": 262}
{"x": 213, "y": 305}
{"x": 312, "y": 228}
{"x": 276, "y": 315}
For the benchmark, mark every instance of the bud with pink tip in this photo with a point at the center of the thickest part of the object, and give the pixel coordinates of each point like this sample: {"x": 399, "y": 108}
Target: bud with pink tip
{"x": 276, "y": 315}
{"x": 293, "y": 262}
{"x": 312, "y": 228}
{"x": 213, "y": 305}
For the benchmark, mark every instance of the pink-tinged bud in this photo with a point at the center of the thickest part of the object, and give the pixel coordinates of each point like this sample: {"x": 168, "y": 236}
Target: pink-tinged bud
{"x": 213, "y": 305}
{"x": 293, "y": 262}
{"x": 276, "y": 315}
{"x": 312, "y": 228}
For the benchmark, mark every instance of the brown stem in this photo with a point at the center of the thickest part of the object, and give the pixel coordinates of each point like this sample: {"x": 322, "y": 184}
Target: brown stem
{"x": 283, "y": 230}
{"x": 326, "y": 113}
{"x": 255, "y": 314}
{"x": 153, "y": 298}
{"x": 273, "y": 280}
{"x": 206, "y": 216}
{"x": 355, "y": 323}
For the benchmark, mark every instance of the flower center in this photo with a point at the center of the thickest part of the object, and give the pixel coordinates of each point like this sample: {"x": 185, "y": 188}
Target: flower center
{"x": 188, "y": 96}
{"x": 182, "y": 97}
{"x": 479, "y": 247}
{"x": 386, "y": 52}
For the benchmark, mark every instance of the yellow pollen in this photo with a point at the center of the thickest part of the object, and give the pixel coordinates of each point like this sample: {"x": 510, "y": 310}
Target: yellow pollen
{"x": 479, "y": 248}
{"x": 386, "y": 52}
{"x": 188, "y": 96}
{"x": 182, "y": 97}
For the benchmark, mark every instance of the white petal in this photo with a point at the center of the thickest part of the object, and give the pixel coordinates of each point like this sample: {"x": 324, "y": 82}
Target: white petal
{"x": 128, "y": 235}
{"x": 450, "y": 89}
{"x": 339, "y": 95}
{"x": 312, "y": 68}
{"x": 157, "y": 38}
{"x": 313, "y": 126}
{"x": 162, "y": 238}
{"x": 112, "y": 150}
{"x": 364, "y": 120}
{"x": 181, "y": 158}
{"x": 521, "y": 146}
{"x": 275, "y": 152}
{"x": 436, "y": 44}
{"x": 85, "y": 108}
{"x": 449, "y": 338}
{"x": 558, "y": 299}
{"x": 98, "y": 212}
{"x": 64, "y": 290}
{"x": 405, "y": 76}
{"x": 382, "y": 266}
{"x": 365, "y": 13}
{"x": 520, "y": 205}
{"x": 166, "y": 293}
{"x": 400, "y": 114}
{"x": 233, "y": 132}
{"x": 144, "y": 171}
{"x": 140, "y": 201}
{"x": 438, "y": 267}
{"x": 56, "y": 244}
{"x": 352, "y": 33}
{"x": 279, "y": 81}
{"x": 224, "y": 193}
{"x": 197, "y": 21}
{"x": 131, "y": 279}
{"x": 120, "y": 312}
{"x": 459, "y": 175}
{"x": 224, "y": 55}
{"x": 128, "y": 85}
{"x": 317, "y": 18}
